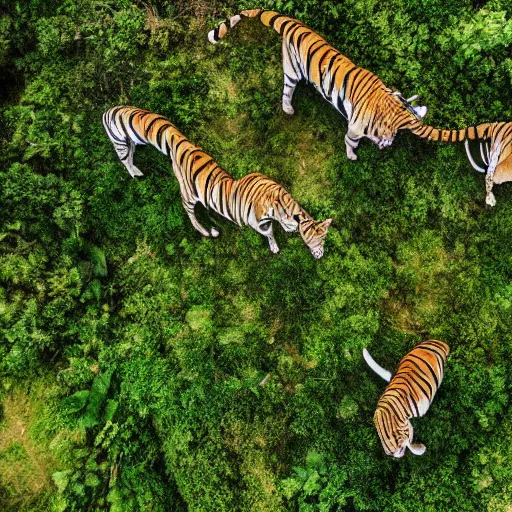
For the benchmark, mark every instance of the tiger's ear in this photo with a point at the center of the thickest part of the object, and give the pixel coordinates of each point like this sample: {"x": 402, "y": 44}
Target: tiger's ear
{"x": 421, "y": 112}
{"x": 418, "y": 449}
{"x": 325, "y": 224}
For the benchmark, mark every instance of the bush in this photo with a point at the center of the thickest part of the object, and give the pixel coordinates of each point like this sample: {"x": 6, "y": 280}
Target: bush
{"x": 181, "y": 373}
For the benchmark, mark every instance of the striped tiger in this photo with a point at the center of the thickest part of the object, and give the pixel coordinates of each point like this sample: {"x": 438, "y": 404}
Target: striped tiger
{"x": 491, "y": 152}
{"x": 408, "y": 395}
{"x": 371, "y": 109}
{"x": 253, "y": 200}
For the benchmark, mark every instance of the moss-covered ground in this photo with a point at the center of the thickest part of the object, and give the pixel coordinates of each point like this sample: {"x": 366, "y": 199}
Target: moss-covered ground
{"x": 144, "y": 368}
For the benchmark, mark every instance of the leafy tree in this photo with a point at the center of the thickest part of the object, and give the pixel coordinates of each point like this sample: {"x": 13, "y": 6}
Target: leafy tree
{"x": 155, "y": 370}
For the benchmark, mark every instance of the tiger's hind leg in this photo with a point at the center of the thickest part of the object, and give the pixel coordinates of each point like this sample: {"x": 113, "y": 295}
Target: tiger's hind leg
{"x": 125, "y": 153}
{"x": 489, "y": 196}
{"x": 189, "y": 206}
{"x": 489, "y": 177}
{"x": 269, "y": 233}
{"x": 292, "y": 76}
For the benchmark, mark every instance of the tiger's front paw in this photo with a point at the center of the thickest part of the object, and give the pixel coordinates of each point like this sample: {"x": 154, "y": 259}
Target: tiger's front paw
{"x": 351, "y": 155}
{"x": 288, "y": 109}
{"x": 490, "y": 199}
{"x": 274, "y": 248}
{"x": 134, "y": 171}
{"x": 214, "y": 233}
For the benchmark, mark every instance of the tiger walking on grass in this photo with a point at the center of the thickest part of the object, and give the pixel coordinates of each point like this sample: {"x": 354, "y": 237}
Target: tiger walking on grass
{"x": 371, "y": 109}
{"x": 408, "y": 395}
{"x": 253, "y": 200}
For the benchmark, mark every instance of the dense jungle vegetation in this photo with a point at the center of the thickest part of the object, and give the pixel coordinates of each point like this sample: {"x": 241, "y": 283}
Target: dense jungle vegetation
{"x": 144, "y": 368}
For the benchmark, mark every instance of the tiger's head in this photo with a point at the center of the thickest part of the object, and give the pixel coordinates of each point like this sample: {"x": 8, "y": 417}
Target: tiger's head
{"x": 313, "y": 233}
{"x": 417, "y": 113}
{"x": 394, "y": 113}
{"x": 396, "y": 435}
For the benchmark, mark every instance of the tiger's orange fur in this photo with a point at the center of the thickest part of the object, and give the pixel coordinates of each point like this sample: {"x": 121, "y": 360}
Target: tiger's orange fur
{"x": 371, "y": 109}
{"x": 253, "y": 200}
{"x": 408, "y": 395}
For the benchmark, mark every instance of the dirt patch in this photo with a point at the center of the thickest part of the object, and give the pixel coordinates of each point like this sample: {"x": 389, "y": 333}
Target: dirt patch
{"x": 24, "y": 465}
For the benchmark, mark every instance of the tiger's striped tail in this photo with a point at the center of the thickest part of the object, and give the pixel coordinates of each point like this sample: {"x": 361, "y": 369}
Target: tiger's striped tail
{"x": 376, "y": 367}
{"x": 266, "y": 17}
{"x": 480, "y": 132}
{"x": 429, "y": 132}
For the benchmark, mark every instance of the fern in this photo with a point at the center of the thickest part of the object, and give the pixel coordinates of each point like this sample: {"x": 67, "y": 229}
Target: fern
{"x": 96, "y": 398}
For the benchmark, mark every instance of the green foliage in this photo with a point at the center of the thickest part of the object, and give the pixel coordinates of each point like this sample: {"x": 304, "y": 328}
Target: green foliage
{"x": 5, "y": 25}
{"x": 487, "y": 31}
{"x": 171, "y": 372}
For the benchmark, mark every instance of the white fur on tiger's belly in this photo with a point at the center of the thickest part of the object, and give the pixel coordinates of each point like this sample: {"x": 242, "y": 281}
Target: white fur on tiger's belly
{"x": 348, "y": 108}
{"x": 423, "y": 406}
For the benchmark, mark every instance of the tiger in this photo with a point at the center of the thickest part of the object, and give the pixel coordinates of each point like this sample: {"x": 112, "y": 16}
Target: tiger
{"x": 254, "y": 200}
{"x": 492, "y": 153}
{"x": 408, "y": 395}
{"x": 371, "y": 109}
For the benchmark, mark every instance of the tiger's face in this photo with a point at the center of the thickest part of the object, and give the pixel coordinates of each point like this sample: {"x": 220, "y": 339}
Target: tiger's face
{"x": 399, "y": 436}
{"x": 394, "y": 434}
{"x": 395, "y": 113}
{"x": 313, "y": 233}
{"x": 383, "y": 133}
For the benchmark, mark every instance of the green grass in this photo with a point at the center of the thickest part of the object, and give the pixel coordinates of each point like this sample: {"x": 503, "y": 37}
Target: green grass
{"x": 155, "y": 370}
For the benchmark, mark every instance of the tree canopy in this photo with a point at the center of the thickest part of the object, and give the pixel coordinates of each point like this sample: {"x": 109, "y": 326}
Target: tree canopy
{"x": 144, "y": 368}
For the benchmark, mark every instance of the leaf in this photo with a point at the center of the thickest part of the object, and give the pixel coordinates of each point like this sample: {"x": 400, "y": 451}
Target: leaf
{"x": 76, "y": 402}
{"x": 99, "y": 390}
{"x": 61, "y": 479}
{"x": 301, "y": 472}
{"x": 95, "y": 288}
{"x": 15, "y": 226}
{"x": 312, "y": 485}
{"x": 110, "y": 410}
{"x": 98, "y": 259}
{"x": 91, "y": 480}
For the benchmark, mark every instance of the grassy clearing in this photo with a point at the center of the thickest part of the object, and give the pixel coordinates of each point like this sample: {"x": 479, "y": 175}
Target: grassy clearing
{"x": 26, "y": 460}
